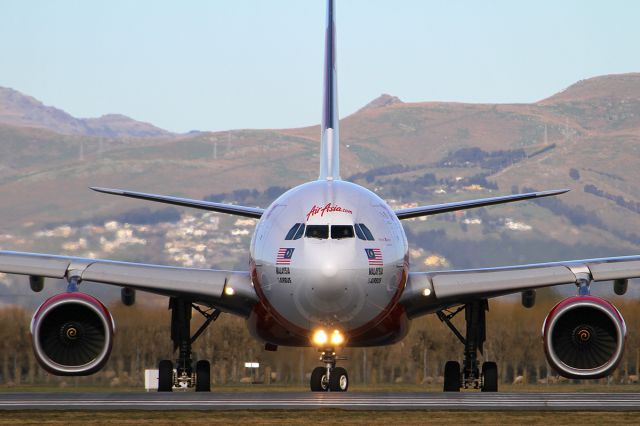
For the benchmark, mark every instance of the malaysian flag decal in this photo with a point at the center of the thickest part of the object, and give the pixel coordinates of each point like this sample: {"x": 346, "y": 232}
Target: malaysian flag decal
{"x": 284, "y": 256}
{"x": 375, "y": 256}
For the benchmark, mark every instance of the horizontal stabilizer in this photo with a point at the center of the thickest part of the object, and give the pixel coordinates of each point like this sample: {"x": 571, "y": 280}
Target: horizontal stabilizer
{"x": 252, "y": 212}
{"x": 463, "y": 205}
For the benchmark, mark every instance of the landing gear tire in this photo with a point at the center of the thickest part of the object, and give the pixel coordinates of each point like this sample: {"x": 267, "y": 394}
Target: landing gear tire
{"x": 489, "y": 377}
{"x": 452, "y": 376}
{"x": 338, "y": 380}
{"x": 165, "y": 376}
{"x": 469, "y": 375}
{"x": 319, "y": 380}
{"x": 203, "y": 376}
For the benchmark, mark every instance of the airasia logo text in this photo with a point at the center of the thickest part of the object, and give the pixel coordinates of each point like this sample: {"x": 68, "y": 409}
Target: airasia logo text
{"x": 328, "y": 208}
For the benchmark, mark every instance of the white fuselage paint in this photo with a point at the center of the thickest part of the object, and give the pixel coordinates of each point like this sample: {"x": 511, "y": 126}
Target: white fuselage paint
{"x": 331, "y": 283}
{"x": 349, "y": 284}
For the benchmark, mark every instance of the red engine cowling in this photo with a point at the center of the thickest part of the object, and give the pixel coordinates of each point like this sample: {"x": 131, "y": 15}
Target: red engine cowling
{"x": 584, "y": 337}
{"x": 72, "y": 334}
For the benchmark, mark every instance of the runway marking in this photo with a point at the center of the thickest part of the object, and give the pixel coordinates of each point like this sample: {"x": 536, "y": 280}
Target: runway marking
{"x": 353, "y": 401}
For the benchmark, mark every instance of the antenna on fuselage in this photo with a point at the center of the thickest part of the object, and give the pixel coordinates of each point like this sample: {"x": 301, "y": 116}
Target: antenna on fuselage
{"x": 329, "y": 133}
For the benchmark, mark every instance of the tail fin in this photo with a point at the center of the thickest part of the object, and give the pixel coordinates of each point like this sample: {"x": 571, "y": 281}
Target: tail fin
{"x": 330, "y": 136}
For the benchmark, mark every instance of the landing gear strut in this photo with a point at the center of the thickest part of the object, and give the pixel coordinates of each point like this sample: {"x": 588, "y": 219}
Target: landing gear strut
{"x": 184, "y": 375}
{"x": 469, "y": 375}
{"x": 329, "y": 378}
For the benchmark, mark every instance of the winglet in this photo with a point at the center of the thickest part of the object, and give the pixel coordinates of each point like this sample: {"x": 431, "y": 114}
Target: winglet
{"x": 107, "y": 190}
{"x": 551, "y": 192}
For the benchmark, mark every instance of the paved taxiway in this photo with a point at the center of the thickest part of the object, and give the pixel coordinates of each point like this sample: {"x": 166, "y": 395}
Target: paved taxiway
{"x": 348, "y": 401}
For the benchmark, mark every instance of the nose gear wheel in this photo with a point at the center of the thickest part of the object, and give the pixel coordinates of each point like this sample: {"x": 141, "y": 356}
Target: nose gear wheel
{"x": 329, "y": 378}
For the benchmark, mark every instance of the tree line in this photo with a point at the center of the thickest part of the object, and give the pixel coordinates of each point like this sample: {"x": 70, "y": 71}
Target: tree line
{"x": 142, "y": 339}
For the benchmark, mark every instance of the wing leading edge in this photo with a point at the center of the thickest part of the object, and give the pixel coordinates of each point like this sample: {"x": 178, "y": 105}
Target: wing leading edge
{"x": 463, "y": 205}
{"x": 230, "y": 291}
{"x": 252, "y": 212}
{"x": 428, "y": 292}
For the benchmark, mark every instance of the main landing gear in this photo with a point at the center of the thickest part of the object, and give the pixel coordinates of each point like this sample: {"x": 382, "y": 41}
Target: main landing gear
{"x": 329, "y": 378}
{"x": 470, "y": 376}
{"x": 184, "y": 375}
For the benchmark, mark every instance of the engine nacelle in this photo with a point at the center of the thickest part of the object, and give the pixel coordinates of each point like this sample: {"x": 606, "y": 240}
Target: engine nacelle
{"x": 72, "y": 334}
{"x": 584, "y": 337}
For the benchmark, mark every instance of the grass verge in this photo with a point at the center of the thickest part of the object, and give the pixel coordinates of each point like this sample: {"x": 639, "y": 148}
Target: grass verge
{"x": 318, "y": 417}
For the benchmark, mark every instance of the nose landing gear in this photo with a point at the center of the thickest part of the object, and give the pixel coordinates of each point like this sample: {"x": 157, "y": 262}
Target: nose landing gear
{"x": 329, "y": 378}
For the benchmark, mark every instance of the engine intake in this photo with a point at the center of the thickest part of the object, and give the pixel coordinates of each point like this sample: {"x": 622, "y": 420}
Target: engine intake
{"x": 584, "y": 337}
{"x": 72, "y": 334}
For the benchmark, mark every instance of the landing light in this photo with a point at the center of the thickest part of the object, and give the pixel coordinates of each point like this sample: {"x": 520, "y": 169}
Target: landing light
{"x": 229, "y": 291}
{"x": 320, "y": 338}
{"x": 337, "y": 338}
{"x": 426, "y": 292}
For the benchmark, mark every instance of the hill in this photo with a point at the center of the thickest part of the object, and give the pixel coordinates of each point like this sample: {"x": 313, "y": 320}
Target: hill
{"x": 585, "y": 138}
{"x": 19, "y": 110}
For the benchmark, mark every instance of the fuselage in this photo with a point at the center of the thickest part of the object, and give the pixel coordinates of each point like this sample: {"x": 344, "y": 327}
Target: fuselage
{"x": 329, "y": 254}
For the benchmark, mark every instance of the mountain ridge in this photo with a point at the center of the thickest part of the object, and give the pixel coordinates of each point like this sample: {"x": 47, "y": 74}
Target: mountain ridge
{"x": 620, "y": 86}
{"x": 20, "y": 110}
{"x": 46, "y": 175}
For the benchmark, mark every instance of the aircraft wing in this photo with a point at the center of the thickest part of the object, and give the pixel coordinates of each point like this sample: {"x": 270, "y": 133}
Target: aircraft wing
{"x": 428, "y": 292}
{"x": 230, "y": 291}
{"x": 252, "y": 212}
{"x": 464, "y": 205}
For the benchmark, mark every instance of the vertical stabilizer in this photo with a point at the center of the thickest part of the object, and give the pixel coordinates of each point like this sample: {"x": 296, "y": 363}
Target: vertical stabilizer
{"x": 330, "y": 136}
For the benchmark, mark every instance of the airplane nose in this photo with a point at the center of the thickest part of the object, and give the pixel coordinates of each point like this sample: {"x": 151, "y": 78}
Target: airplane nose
{"x": 329, "y": 270}
{"x": 327, "y": 286}
{"x": 329, "y": 289}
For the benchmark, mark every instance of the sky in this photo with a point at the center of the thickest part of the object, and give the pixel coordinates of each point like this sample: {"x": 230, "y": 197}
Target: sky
{"x": 238, "y": 64}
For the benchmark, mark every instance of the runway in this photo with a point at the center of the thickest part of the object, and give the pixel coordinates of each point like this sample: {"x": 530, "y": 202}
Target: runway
{"x": 303, "y": 401}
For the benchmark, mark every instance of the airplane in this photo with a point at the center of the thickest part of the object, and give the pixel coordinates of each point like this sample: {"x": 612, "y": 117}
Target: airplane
{"x": 329, "y": 268}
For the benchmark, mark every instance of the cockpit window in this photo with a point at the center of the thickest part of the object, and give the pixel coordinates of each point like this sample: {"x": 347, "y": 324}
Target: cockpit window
{"x": 292, "y": 231}
{"x": 339, "y": 232}
{"x": 363, "y": 232}
{"x": 367, "y": 233}
{"x": 299, "y": 232}
{"x": 295, "y": 232}
{"x": 317, "y": 231}
{"x": 321, "y": 232}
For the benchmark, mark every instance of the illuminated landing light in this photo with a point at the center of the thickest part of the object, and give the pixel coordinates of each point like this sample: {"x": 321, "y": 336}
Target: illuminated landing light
{"x": 320, "y": 338}
{"x": 426, "y": 292}
{"x": 229, "y": 291}
{"x": 337, "y": 338}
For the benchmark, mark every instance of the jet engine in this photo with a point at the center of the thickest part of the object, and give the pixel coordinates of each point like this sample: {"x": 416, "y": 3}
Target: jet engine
{"x": 72, "y": 334}
{"x": 584, "y": 337}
